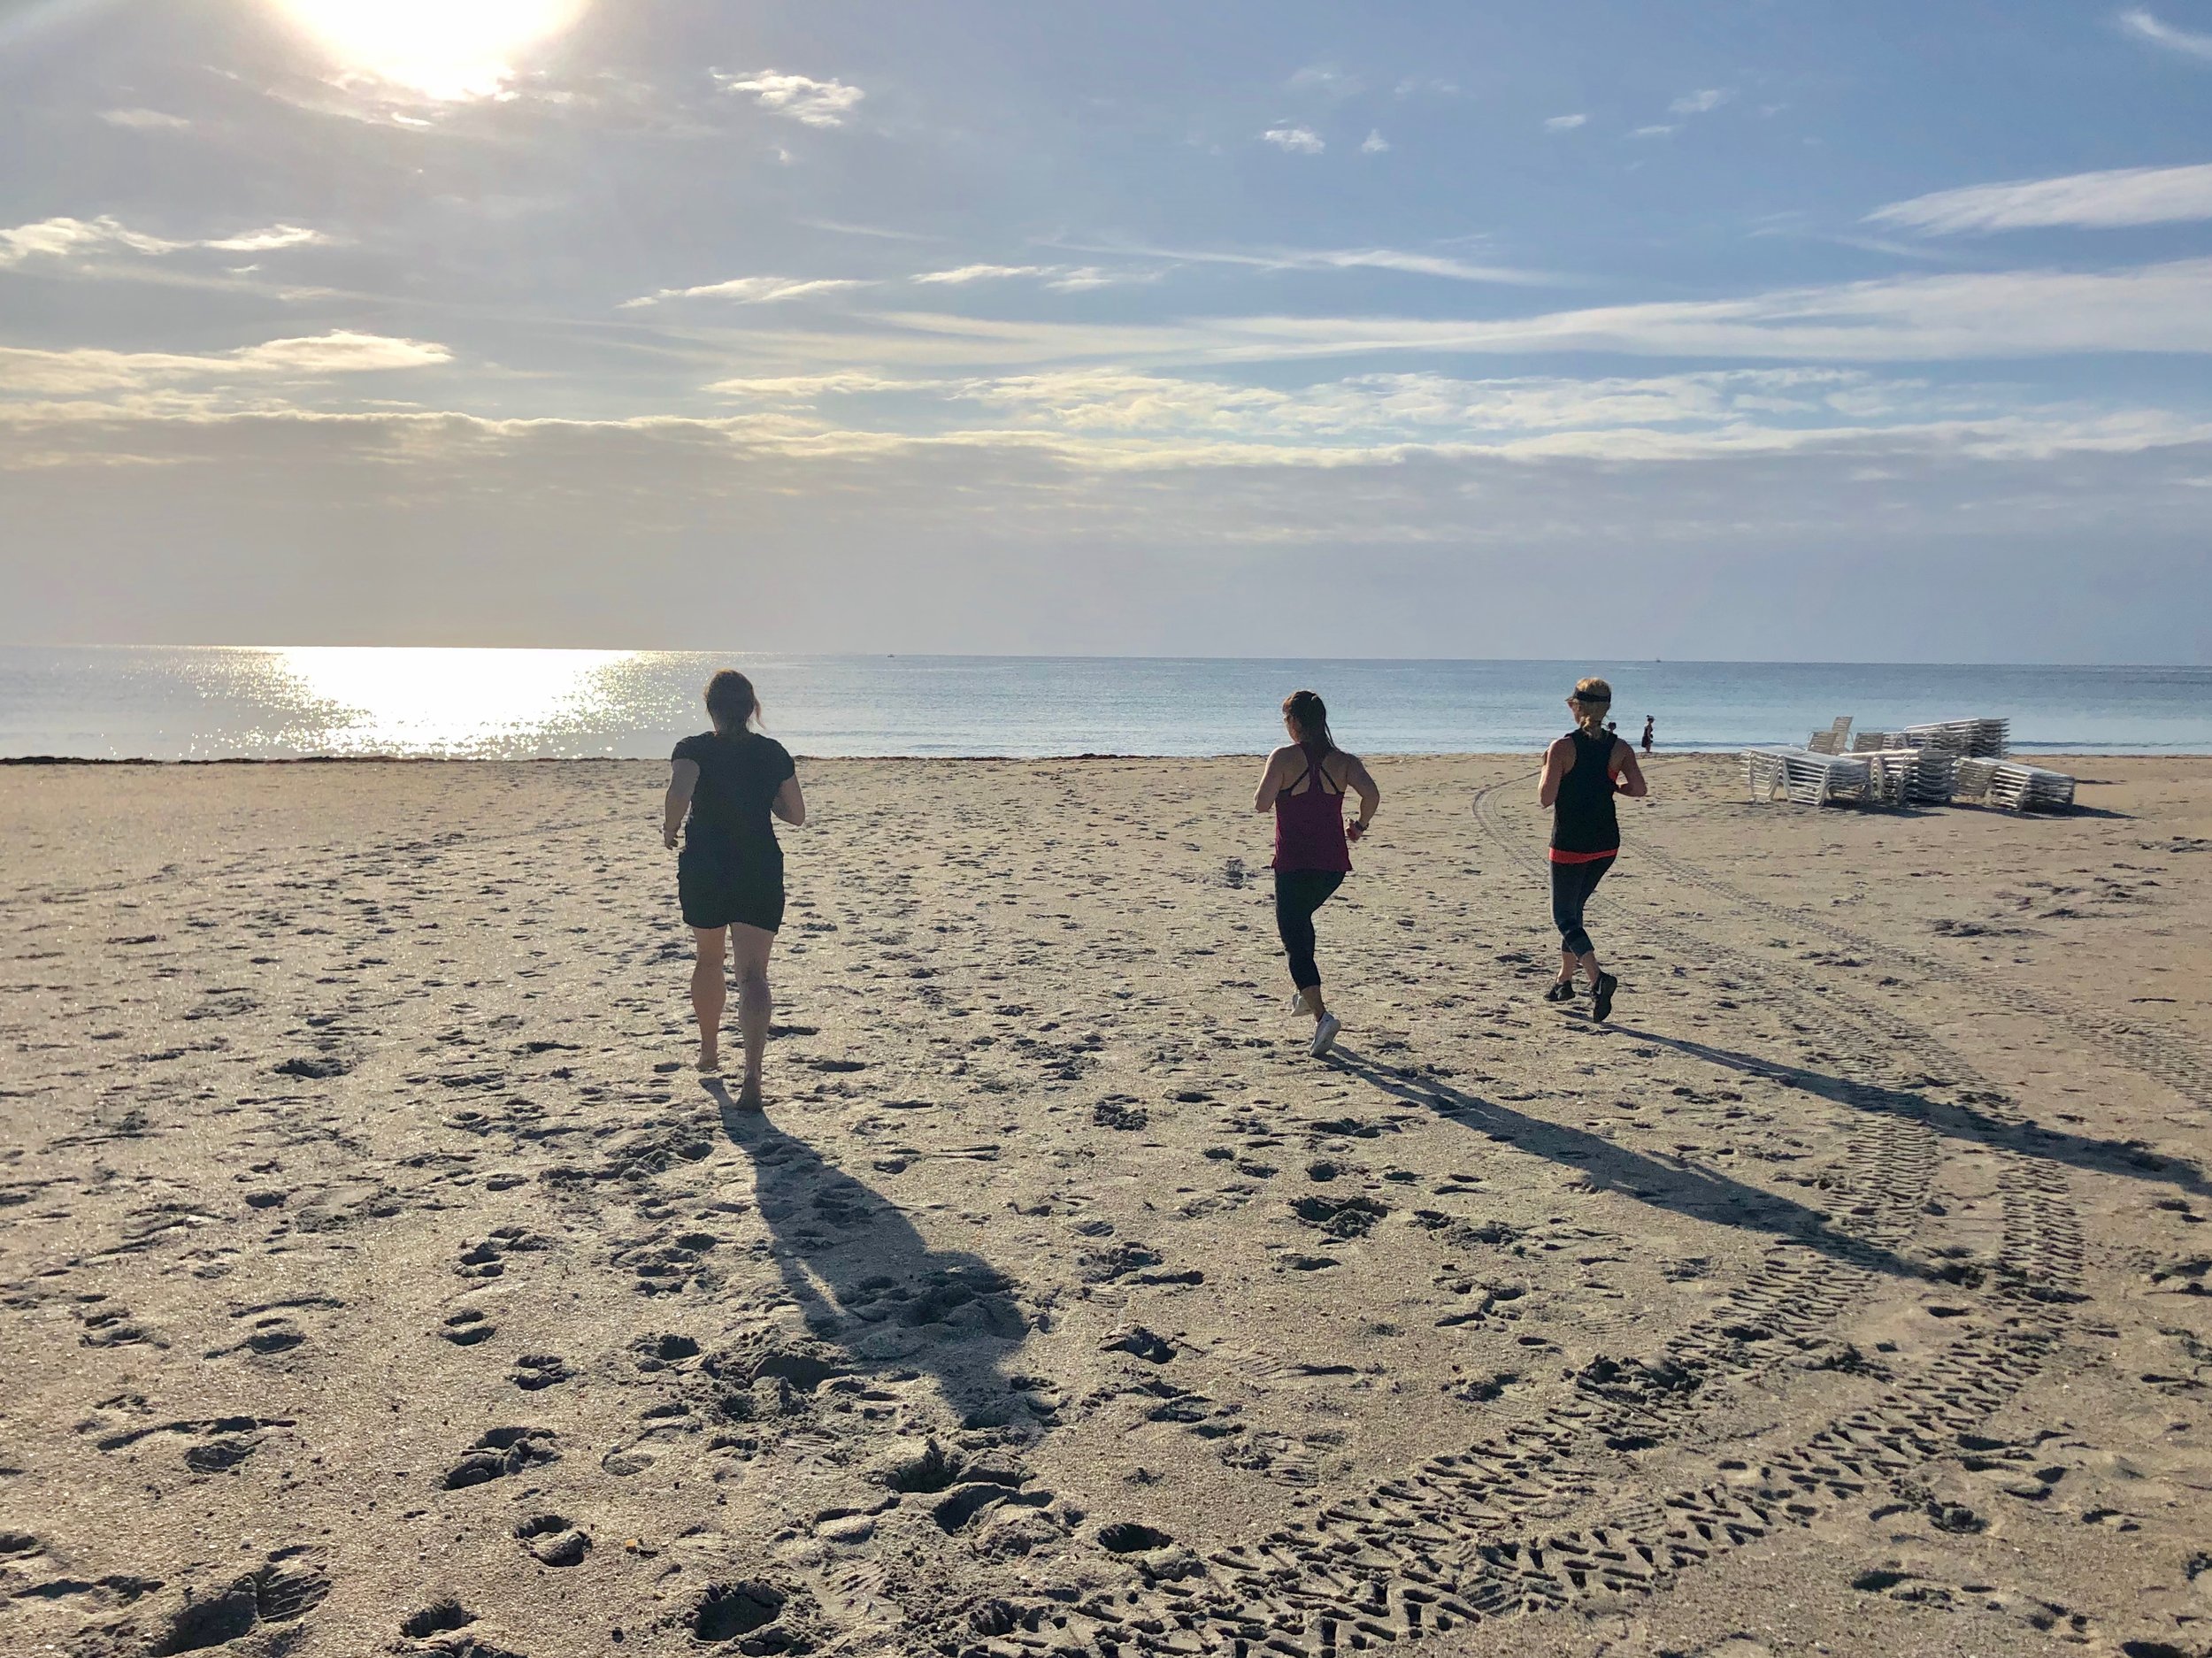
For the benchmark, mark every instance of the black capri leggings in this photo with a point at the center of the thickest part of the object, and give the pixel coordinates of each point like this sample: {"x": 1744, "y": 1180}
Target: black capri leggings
{"x": 1298, "y": 893}
{"x": 1571, "y": 885}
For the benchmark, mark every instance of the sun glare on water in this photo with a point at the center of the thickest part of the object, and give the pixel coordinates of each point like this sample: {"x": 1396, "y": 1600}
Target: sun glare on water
{"x": 447, "y": 49}
{"x": 430, "y": 702}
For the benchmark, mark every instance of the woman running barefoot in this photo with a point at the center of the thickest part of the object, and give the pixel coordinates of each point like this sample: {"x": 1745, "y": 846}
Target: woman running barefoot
{"x": 1582, "y": 772}
{"x": 1304, "y": 785}
{"x": 730, "y": 874}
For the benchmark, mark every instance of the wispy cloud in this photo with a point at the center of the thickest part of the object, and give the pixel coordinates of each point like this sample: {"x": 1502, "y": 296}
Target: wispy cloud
{"x": 1332, "y": 259}
{"x": 1112, "y": 418}
{"x": 1325, "y": 78}
{"x": 961, "y": 275}
{"x": 1412, "y": 264}
{"x": 1700, "y": 102}
{"x": 81, "y": 238}
{"x": 270, "y": 241}
{"x": 2163, "y": 307}
{"x": 1082, "y": 278}
{"x": 145, "y": 120}
{"x": 1564, "y": 123}
{"x": 1376, "y": 144}
{"x": 806, "y": 387}
{"x": 2123, "y": 196}
{"x": 749, "y": 290}
{"x": 2144, "y": 25}
{"x": 70, "y": 374}
{"x": 1296, "y": 141}
{"x": 800, "y": 97}
{"x": 1658, "y": 129}
{"x": 878, "y": 233}
{"x": 1423, "y": 407}
{"x": 1065, "y": 279}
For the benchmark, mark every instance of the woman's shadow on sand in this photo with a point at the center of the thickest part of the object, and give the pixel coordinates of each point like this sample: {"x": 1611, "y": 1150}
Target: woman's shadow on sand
{"x": 2127, "y": 1160}
{"x": 865, "y": 1280}
{"x": 1683, "y": 1187}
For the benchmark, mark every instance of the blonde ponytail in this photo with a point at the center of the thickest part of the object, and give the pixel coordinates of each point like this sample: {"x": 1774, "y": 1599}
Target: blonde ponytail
{"x": 1594, "y": 700}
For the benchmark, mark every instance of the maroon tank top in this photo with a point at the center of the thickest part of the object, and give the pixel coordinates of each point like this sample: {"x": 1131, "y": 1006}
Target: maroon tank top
{"x": 1309, "y": 827}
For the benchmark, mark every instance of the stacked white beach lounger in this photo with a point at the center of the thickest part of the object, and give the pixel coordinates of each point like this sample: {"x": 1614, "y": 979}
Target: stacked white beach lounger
{"x": 1830, "y": 742}
{"x": 1809, "y": 779}
{"x": 2015, "y": 787}
{"x": 1933, "y": 764}
{"x": 1980, "y": 738}
{"x": 1911, "y": 777}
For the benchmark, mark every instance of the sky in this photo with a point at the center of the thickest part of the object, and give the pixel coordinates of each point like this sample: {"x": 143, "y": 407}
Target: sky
{"x": 1751, "y": 329}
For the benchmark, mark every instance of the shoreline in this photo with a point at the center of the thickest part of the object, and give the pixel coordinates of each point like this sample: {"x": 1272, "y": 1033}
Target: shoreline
{"x": 60, "y": 761}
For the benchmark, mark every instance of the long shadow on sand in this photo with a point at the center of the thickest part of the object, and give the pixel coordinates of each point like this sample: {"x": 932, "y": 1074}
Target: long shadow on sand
{"x": 2128, "y": 1161}
{"x": 866, "y": 1281}
{"x": 1683, "y": 1187}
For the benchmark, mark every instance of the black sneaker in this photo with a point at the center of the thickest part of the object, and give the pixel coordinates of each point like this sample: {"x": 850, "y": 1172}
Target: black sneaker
{"x": 1561, "y": 990}
{"x": 1601, "y": 996}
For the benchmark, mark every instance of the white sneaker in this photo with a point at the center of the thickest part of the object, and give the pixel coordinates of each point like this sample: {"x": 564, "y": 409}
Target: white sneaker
{"x": 1324, "y": 1034}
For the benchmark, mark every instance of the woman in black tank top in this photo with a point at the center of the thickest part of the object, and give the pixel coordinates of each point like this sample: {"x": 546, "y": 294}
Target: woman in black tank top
{"x": 1583, "y": 770}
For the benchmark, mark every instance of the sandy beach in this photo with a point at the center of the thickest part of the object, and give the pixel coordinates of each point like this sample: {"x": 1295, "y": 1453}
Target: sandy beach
{"x": 376, "y": 1276}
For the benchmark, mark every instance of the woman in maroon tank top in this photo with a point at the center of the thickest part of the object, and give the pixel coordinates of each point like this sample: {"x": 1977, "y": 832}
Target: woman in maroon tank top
{"x": 1304, "y": 785}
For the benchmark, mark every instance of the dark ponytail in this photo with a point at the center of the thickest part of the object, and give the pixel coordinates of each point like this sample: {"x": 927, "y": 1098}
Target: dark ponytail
{"x": 1312, "y": 715}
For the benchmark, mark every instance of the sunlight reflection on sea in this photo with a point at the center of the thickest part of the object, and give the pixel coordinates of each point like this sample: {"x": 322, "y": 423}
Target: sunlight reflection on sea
{"x": 253, "y": 702}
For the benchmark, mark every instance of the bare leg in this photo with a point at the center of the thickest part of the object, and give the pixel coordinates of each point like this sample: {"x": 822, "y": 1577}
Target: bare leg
{"x": 755, "y": 1004}
{"x": 708, "y": 994}
{"x": 1589, "y": 963}
{"x": 1311, "y": 995}
{"x": 1566, "y": 967}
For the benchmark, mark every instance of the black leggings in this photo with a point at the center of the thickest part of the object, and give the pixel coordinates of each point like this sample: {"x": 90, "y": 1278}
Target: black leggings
{"x": 1298, "y": 893}
{"x": 1571, "y": 885}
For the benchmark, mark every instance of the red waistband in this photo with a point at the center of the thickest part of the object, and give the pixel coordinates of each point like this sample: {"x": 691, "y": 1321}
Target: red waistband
{"x": 1557, "y": 856}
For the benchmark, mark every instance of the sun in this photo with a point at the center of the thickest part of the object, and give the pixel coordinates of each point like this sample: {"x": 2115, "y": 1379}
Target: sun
{"x": 447, "y": 49}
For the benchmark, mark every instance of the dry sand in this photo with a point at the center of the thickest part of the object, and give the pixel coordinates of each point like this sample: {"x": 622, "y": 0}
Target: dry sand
{"x": 370, "y": 1262}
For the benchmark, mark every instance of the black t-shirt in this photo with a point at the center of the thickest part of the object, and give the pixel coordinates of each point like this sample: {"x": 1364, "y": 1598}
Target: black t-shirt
{"x": 738, "y": 779}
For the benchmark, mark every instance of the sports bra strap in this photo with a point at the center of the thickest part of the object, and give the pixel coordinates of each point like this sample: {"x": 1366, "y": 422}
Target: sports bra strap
{"x": 1318, "y": 771}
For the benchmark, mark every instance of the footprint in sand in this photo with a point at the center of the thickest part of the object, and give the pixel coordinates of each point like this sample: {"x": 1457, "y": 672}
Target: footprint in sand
{"x": 467, "y": 1327}
{"x": 535, "y": 1371}
{"x": 440, "y": 1617}
{"x": 489, "y": 1259}
{"x": 111, "y": 1326}
{"x": 727, "y": 1610}
{"x": 288, "y": 1586}
{"x": 502, "y": 1452}
{"x": 552, "y": 1539}
{"x": 664, "y": 1352}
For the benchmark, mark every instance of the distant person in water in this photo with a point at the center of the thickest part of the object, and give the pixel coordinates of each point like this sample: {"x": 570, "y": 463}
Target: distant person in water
{"x": 1648, "y": 732}
{"x": 1583, "y": 770}
{"x": 1304, "y": 785}
{"x": 722, "y": 787}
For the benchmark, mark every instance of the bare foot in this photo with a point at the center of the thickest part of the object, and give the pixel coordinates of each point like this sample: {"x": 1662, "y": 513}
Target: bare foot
{"x": 749, "y": 1096}
{"x": 709, "y": 1060}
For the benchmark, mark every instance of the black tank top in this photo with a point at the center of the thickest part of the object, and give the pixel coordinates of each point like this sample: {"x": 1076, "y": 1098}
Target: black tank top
{"x": 1582, "y": 819}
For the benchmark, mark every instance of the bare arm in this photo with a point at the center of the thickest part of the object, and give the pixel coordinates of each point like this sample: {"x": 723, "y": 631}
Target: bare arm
{"x": 1362, "y": 783}
{"x": 1631, "y": 775}
{"x": 1264, "y": 797}
{"x": 1557, "y": 760}
{"x": 789, "y": 804}
{"x": 683, "y": 777}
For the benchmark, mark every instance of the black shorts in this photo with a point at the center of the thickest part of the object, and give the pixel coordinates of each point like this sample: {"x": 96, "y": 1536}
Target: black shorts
{"x": 717, "y": 891}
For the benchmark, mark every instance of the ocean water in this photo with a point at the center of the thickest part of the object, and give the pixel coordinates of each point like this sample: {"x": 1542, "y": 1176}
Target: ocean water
{"x": 250, "y": 703}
